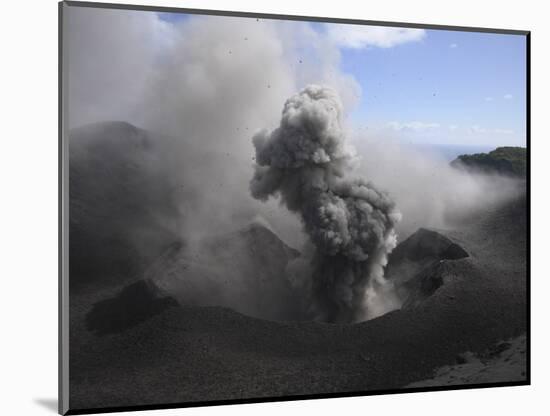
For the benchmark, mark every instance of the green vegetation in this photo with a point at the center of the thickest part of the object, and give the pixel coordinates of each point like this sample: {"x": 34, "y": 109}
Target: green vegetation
{"x": 511, "y": 161}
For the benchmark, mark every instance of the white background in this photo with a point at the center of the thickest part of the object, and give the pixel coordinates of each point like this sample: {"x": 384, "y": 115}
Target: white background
{"x": 28, "y": 191}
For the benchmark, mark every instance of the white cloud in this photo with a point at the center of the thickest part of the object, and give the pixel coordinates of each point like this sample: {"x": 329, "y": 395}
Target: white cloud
{"x": 453, "y": 127}
{"x": 453, "y": 45}
{"x": 508, "y": 96}
{"x": 413, "y": 125}
{"x": 488, "y": 99}
{"x": 357, "y": 37}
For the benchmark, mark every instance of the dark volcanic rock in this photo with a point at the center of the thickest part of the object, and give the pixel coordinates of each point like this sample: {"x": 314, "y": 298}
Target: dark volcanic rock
{"x": 417, "y": 265}
{"x": 422, "y": 285}
{"x": 426, "y": 244}
{"x": 135, "y": 303}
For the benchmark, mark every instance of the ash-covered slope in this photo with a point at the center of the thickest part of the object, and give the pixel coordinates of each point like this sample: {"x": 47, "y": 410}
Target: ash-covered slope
{"x": 416, "y": 266}
{"x": 243, "y": 270}
{"x": 504, "y": 361}
{"x": 121, "y": 210}
{"x": 195, "y": 353}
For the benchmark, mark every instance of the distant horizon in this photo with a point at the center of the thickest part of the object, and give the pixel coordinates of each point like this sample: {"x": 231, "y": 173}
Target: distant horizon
{"x": 485, "y": 147}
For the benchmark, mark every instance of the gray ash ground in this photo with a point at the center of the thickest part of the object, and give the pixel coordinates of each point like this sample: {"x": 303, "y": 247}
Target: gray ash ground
{"x": 451, "y": 331}
{"x": 503, "y": 362}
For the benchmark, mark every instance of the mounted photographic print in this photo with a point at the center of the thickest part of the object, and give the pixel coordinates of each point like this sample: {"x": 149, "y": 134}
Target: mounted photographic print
{"x": 262, "y": 207}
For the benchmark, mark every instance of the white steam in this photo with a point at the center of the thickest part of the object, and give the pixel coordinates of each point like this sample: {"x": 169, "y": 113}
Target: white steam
{"x": 428, "y": 191}
{"x": 204, "y": 84}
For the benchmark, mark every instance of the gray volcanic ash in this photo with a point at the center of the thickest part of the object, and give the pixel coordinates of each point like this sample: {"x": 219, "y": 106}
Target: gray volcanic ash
{"x": 305, "y": 162}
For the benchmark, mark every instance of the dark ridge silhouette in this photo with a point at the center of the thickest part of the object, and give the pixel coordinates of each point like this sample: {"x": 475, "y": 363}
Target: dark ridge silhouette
{"x": 426, "y": 244}
{"x": 509, "y": 161}
{"x": 134, "y": 304}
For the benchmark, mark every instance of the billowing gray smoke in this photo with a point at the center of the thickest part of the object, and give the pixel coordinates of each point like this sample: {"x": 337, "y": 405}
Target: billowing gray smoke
{"x": 305, "y": 161}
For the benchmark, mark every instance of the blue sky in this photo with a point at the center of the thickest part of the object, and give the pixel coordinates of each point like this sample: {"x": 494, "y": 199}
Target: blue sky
{"x": 173, "y": 17}
{"x": 433, "y": 86}
{"x": 445, "y": 86}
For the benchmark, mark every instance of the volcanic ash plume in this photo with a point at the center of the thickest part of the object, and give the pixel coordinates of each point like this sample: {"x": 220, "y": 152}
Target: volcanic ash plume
{"x": 304, "y": 161}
